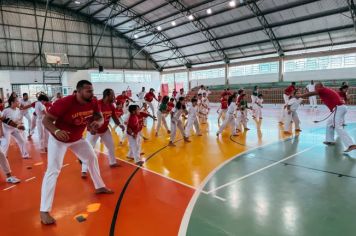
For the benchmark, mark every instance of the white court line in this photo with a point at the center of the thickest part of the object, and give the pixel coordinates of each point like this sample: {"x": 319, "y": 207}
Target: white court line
{"x": 13, "y": 186}
{"x": 259, "y": 170}
{"x": 188, "y": 211}
{"x": 153, "y": 172}
{"x": 29, "y": 179}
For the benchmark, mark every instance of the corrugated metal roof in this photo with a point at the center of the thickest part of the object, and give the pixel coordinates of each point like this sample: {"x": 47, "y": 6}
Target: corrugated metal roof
{"x": 228, "y": 30}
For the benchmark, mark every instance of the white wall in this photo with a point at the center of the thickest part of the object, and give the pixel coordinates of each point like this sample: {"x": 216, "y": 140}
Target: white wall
{"x": 207, "y": 82}
{"x": 249, "y": 79}
{"x": 5, "y": 82}
{"x": 330, "y": 74}
{"x": 26, "y": 77}
{"x": 72, "y": 78}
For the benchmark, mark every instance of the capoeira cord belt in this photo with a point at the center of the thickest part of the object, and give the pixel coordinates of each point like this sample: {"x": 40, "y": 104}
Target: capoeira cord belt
{"x": 332, "y": 112}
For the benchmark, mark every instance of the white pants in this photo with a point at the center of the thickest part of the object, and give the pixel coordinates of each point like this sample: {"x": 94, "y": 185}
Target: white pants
{"x": 33, "y": 124}
{"x": 152, "y": 107}
{"x": 4, "y": 163}
{"x": 335, "y": 123}
{"x": 106, "y": 138}
{"x": 179, "y": 124}
{"x": 221, "y": 113}
{"x": 56, "y": 151}
{"x": 161, "y": 118}
{"x": 257, "y": 111}
{"x": 229, "y": 119}
{"x": 241, "y": 119}
{"x": 190, "y": 123}
{"x": 29, "y": 121}
{"x": 286, "y": 100}
{"x": 312, "y": 101}
{"x": 289, "y": 117}
{"x": 18, "y": 136}
{"x": 43, "y": 133}
{"x": 135, "y": 147}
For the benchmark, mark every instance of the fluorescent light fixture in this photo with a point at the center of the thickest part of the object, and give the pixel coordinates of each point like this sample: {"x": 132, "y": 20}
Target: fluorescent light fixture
{"x": 173, "y": 23}
{"x": 77, "y": 2}
{"x": 159, "y": 28}
{"x": 209, "y": 11}
{"x": 135, "y": 36}
{"x": 191, "y": 17}
{"x": 232, "y": 3}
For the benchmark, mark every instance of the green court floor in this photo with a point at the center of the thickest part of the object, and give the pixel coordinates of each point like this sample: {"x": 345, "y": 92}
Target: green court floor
{"x": 293, "y": 187}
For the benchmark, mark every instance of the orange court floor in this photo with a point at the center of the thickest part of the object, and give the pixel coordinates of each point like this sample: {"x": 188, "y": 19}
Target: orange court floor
{"x": 148, "y": 200}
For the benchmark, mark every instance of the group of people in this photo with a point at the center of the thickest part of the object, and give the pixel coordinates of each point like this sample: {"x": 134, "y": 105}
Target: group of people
{"x": 62, "y": 122}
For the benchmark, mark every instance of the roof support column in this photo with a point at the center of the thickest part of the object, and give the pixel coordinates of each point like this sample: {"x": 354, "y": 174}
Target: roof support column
{"x": 281, "y": 69}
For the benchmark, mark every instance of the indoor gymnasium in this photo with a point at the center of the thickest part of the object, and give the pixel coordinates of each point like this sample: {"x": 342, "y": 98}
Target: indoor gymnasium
{"x": 178, "y": 117}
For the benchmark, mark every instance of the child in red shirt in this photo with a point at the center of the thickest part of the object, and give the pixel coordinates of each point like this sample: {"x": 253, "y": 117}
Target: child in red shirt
{"x": 223, "y": 107}
{"x": 170, "y": 105}
{"x": 134, "y": 127}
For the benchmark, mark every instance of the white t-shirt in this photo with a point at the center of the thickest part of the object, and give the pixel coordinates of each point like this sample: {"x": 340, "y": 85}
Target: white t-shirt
{"x": 232, "y": 108}
{"x": 25, "y": 103}
{"x": 177, "y": 113}
{"x": 39, "y": 109}
{"x": 192, "y": 112}
{"x": 311, "y": 87}
{"x": 201, "y": 91}
{"x": 141, "y": 95}
{"x": 179, "y": 95}
{"x": 294, "y": 103}
{"x": 13, "y": 114}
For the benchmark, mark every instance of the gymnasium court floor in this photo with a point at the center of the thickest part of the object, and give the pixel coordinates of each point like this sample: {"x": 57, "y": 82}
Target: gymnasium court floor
{"x": 259, "y": 183}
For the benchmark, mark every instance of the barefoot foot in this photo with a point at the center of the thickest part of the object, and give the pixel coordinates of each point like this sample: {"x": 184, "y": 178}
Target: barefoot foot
{"x": 46, "y": 218}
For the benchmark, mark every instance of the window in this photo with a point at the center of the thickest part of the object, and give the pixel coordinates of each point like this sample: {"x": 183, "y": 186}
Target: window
{"x": 208, "y": 74}
{"x": 97, "y": 77}
{"x": 138, "y": 78}
{"x": 321, "y": 63}
{"x": 254, "y": 69}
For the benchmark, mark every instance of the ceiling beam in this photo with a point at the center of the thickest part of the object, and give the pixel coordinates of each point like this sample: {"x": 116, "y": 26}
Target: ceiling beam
{"x": 178, "y": 4}
{"x": 159, "y": 35}
{"x": 187, "y": 22}
{"x": 245, "y": 18}
{"x": 127, "y": 8}
{"x": 272, "y": 25}
{"x": 352, "y": 8}
{"x": 266, "y": 27}
{"x": 88, "y": 3}
{"x": 294, "y": 36}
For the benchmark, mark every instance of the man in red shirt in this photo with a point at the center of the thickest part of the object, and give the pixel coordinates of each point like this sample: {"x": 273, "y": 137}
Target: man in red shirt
{"x": 107, "y": 108}
{"x": 149, "y": 98}
{"x": 226, "y": 92}
{"x": 223, "y": 107}
{"x": 286, "y": 95}
{"x": 337, "y": 106}
{"x": 121, "y": 99}
{"x": 66, "y": 120}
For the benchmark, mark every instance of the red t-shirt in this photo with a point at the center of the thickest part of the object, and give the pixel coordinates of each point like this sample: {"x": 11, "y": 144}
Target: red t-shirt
{"x": 133, "y": 124}
{"x": 228, "y": 93}
{"x": 224, "y": 104}
{"x": 329, "y": 97}
{"x": 1, "y": 106}
{"x": 170, "y": 106}
{"x": 48, "y": 105}
{"x": 149, "y": 96}
{"x": 119, "y": 111}
{"x": 121, "y": 99}
{"x": 289, "y": 90}
{"x": 343, "y": 95}
{"x": 108, "y": 110}
{"x": 141, "y": 117}
{"x": 72, "y": 116}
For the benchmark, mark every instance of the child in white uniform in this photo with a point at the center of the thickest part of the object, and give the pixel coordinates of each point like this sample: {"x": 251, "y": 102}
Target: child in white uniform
{"x": 40, "y": 111}
{"x": 257, "y": 107}
{"x": 176, "y": 122}
{"x": 25, "y": 113}
{"x": 291, "y": 113}
{"x": 241, "y": 120}
{"x": 230, "y": 116}
{"x": 13, "y": 113}
{"x": 4, "y": 163}
{"x": 192, "y": 118}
